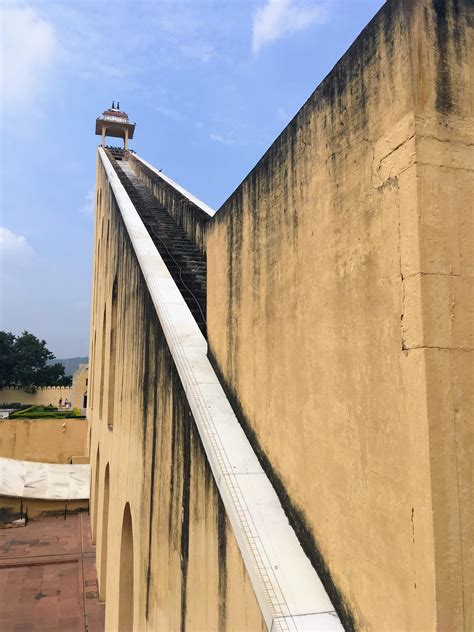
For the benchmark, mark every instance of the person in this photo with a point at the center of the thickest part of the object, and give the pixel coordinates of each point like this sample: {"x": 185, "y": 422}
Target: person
{"x": 60, "y": 403}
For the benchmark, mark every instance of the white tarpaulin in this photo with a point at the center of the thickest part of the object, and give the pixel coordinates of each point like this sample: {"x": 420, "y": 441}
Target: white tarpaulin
{"x": 27, "y": 479}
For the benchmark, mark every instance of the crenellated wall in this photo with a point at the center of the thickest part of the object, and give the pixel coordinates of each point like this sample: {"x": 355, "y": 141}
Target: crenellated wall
{"x": 43, "y": 396}
{"x": 50, "y": 395}
{"x": 340, "y": 311}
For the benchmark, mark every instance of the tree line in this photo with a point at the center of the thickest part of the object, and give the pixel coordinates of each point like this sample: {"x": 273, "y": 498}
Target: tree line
{"x": 24, "y": 363}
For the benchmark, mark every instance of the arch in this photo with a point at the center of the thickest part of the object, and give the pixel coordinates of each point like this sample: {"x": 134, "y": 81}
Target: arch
{"x": 104, "y": 538}
{"x": 107, "y": 251}
{"x": 125, "y": 622}
{"x": 96, "y": 281}
{"x": 96, "y": 496}
{"x": 102, "y": 364}
{"x": 92, "y": 372}
{"x": 112, "y": 356}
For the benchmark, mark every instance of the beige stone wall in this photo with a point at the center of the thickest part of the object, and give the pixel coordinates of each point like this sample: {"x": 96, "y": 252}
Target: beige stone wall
{"x": 43, "y": 440}
{"x": 187, "y": 569}
{"x": 79, "y": 387}
{"x": 50, "y": 394}
{"x": 42, "y": 397}
{"x": 340, "y": 318}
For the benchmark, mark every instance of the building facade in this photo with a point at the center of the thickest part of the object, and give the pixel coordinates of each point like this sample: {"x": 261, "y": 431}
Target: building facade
{"x": 280, "y": 393}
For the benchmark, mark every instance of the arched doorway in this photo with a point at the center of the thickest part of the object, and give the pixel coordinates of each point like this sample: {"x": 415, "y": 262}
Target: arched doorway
{"x": 96, "y": 496}
{"x": 125, "y": 623}
{"x": 104, "y": 538}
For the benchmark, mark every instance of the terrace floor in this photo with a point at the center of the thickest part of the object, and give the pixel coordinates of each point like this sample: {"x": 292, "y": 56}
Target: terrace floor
{"x": 48, "y": 578}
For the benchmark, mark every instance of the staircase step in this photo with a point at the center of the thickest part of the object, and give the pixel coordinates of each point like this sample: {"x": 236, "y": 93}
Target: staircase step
{"x": 185, "y": 263}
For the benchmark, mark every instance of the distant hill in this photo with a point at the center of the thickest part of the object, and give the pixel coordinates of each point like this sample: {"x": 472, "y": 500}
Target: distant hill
{"x": 70, "y": 364}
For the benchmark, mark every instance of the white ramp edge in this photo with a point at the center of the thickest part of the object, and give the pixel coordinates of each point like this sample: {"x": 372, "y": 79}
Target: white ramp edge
{"x": 289, "y": 592}
{"x": 45, "y": 481}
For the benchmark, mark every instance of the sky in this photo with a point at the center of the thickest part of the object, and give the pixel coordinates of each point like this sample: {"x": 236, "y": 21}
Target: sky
{"x": 210, "y": 84}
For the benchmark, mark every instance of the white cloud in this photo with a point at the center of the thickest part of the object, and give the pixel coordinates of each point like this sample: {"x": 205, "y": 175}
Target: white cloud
{"x": 28, "y": 46}
{"x": 185, "y": 32}
{"x": 221, "y": 139}
{"x": 169, "y": 112}
{"x": 280, "y": 18}
{"x": 14, "y": 248}
{"x": 87, "y": 207}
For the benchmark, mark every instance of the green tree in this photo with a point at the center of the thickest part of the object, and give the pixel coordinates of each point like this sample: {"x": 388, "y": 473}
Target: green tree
{"x": 23, "y": 361}
{"x": 7, "y": 355}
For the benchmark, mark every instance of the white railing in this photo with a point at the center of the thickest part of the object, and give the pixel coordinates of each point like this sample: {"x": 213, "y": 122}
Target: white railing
{"x": 115, "y": 119}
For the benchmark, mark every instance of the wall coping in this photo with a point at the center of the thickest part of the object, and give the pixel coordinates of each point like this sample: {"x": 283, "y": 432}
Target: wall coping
{"x": 289, "y": 592}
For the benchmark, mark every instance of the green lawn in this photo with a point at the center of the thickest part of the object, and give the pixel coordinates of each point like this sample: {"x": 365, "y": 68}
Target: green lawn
{"x": 45, "y": 412}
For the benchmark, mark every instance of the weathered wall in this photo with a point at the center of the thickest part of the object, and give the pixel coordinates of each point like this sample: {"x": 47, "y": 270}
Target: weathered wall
{"x": 43, "y": 396}
{"x": 36, "y": 507}
{"x": 79, "y": 387}
{"x": 438, "y": 273}
{"x": 340, "y": 318}
{"x": 187, "y": 569}
{"x": 43, "y": 440}
{"x": 188, "y": 215}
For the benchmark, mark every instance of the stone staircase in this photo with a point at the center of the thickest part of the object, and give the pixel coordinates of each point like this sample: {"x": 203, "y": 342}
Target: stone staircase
{"x": 186, "y": 264}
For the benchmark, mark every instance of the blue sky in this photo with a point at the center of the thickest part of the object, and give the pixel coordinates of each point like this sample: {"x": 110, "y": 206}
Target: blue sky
{"x": 210, "y": 84}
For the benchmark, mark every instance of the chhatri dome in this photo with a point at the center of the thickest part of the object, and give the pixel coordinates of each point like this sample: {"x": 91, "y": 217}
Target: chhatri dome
{"x": 115, "y": 123}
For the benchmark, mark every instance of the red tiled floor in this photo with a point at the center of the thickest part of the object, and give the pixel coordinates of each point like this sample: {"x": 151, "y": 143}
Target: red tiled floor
{"x": 48, "y": 578}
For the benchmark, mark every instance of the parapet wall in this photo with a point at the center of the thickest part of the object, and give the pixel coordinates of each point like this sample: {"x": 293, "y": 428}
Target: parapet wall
{"x": 43, "y": 440}
{"x": 340, "y": 318}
